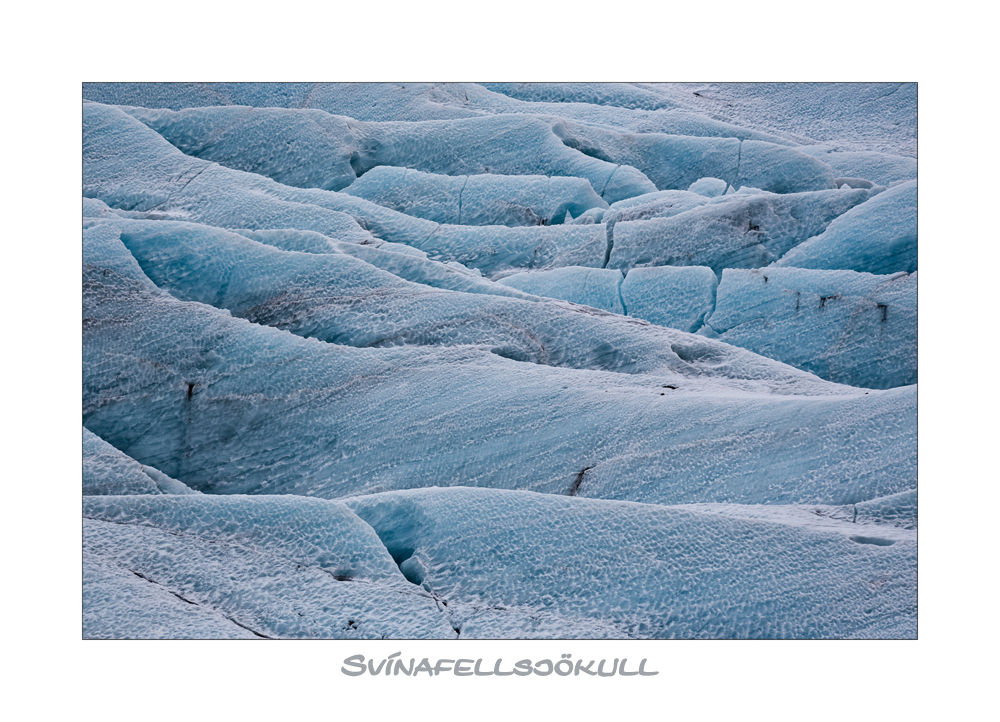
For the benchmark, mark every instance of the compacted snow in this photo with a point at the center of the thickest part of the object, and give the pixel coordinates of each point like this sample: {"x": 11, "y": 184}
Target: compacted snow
{"x": 499, "y": 361}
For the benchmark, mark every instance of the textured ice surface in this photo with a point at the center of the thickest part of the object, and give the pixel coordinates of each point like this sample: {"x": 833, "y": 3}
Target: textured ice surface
{"x": 853, "y": 116}
{"x": 642, "y": 570}
{"x": 269, "y": 141}
{"x": 106, "y": 470}
{"x": 852, "y": 328}
{"x": 680, "y": 297}
{"x": 232, "y": 407}
{"x": 742, "y": 230}
{"x": 130, "y": 167}
{"x": 415, "y": 102}
{"x": 477, "y": 200}
{"x": 661, "y": 204}
{"x": 273, "y": 566}
{"x": 709, "y": 187}
{"x": 879, "y": 236}
{"x": 368, "y": 321}
{"x": 596, "y": 287}
{"x": 674, "y": 162}
{"x": 879, "y": 168}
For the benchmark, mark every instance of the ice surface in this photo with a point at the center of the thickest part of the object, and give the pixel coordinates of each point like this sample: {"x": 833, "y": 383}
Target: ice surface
{"x": 341, "y": 299}
{"x": 644, "y": 570}
{"x": 128, "y": 166}
{"x": 879, "y": 237}
{"x": 852, "y": 116}
{"x": 680, "y": 297}
{"x": 432, "y": 385}
{"x": 232, "y": 407}
{"x": 674, "y": 162}
{"x": 273, "y": 566}
{"x": 477, "y": 200}
{"x": 271, "y": 141}
{"x": 879, "y": 168}
{"x": 742, "y": 230}
{"x": 709, "y": 187}
{"x": 852, "y": 328}
{"x": 595, "y": 287}
{"x": 108, "y": 471}
{"x": 414, "y": 102}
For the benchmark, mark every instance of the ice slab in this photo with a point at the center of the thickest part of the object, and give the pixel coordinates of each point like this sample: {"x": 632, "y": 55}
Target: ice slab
{"x": 680, "y": 297}
{"x": 478, "y": 200}
{"x": 619, "y": 95}
{"x": 878, "y": 237}
{"x": 644, "y": 570}
{"x": 742, "y": 230}
{"x": 595, "y": 287}
{"x": 852, "y": 328}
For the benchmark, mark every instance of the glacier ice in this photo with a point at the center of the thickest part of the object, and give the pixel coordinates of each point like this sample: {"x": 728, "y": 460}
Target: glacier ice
{"x": 452, "y": 360}
{"x": 106, "y": 470}
{"x": 595, "y": 287}
{"x": 643, "y": 570}
{"x": 709, "y": 187}
{"x": 844, "y": 326}
{"x": 879, "y": 168}
{"x": 741, "y": 230}
{"x": 675, "y": 162}
{"x": 268, "y": 141}
{"x": 181, "y": 384}
{"x": 878, "y": 237}
{"x": 272, "y": 566}
{"x": 679, "y": 297}
{"x": 129, "y": 167}
{"x": 478, "y": 200}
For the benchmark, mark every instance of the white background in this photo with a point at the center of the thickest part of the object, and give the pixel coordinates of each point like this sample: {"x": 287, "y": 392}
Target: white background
{"x": 49, "y": 50}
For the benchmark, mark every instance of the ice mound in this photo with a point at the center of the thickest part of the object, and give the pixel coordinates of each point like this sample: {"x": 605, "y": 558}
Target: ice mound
{"x": 709, "y": 187}
{"x": 878, "y": 237}
{"x": 742, "y": 230}
{"x": 852, "y": 328}
{"x": 477, "y": 200}
{"x": 643, "y": 570}
{"x": 306, "y": 149}
{"x": 270, "y": 566}
{"x": 595, "y": 287}
{"x": 679, "y": 297}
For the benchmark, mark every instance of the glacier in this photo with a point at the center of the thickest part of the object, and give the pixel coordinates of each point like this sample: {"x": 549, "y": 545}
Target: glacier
{"x": 499, "y": 361}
